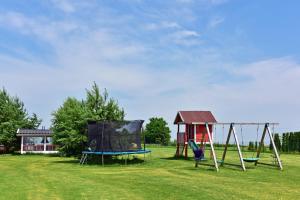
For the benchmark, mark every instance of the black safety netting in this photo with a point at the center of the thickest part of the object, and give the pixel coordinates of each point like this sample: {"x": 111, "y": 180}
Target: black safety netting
{"x": 115, "y": 136}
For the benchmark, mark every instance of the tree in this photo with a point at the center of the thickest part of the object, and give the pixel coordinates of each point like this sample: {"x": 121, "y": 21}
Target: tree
{"x": 271, "y": 145}
{"x": 69, "y": 126}
{"x": 157, "y": 131}
{"x": 69, "y": 123}
{"x": 277, "y": 141}
{"x": 251, "y": 146}
{"x": 284, "y": 142}
{"x": 13, "y": 115}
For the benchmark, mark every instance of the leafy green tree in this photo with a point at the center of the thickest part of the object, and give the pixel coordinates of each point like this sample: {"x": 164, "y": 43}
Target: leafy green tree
{"x": 157, "y": 131}
{"x": 277, "y": 141}
{"x": 69, "y": 122}
{"x": 284, "y": 143}
{"x": 69, "y": 126}
{"x": 101, "y": 107}
{"x": 271, "y": 145}
{"x": 251, "y": 146}
{"x": 13, "y": 115}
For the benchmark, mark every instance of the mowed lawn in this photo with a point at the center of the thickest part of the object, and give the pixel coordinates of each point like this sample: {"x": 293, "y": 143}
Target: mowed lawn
{"x": 160, "y": 177}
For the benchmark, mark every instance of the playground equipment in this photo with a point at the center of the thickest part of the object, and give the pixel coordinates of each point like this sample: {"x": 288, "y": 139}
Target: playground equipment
{"x": 251, "y": 159}
{"x": 199, "y": 124}
{"x": 198, "y": 127}
{"x": 198, "y": 152}
{"x": 114, "y": 138}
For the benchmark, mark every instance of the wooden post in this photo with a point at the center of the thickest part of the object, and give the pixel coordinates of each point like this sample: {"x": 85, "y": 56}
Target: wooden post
{"x": 186, "y": 142}
{"x": 177, "y": 148}
{"x": 22, "y": 147}
{"x": 212, "y": 147}
{"x": 45, "y": 138}
{"x": 227, "y": 142}
{"x": 195, "y": 135}
{"x": 274, "y": 148}
{"x": 239, "y": 149}
{"x": 261, "y": 142}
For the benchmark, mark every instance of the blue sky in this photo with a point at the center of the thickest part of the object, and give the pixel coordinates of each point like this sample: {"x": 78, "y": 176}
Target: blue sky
{"x": 239, "y": 59}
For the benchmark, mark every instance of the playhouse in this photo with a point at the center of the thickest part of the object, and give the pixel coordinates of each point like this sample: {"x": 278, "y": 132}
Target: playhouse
{"x": 192, "y": 125}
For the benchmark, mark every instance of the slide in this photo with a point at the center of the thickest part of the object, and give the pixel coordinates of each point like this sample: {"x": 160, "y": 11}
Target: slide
{"x": 193, "y": 145}
{"x": 199, "y": 154}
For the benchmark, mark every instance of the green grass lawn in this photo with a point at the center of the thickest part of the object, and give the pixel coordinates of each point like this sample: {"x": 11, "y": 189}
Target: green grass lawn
{"x": 160, "y": 177}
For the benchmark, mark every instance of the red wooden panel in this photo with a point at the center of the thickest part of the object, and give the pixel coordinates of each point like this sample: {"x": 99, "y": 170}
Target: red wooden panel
{"x": 200, "y": 130}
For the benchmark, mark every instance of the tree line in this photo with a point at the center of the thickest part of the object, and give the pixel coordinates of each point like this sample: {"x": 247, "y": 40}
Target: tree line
{"x": 286, "y": 142}
{"x": 69, "y": 121}
{"x": 289, "y": 142}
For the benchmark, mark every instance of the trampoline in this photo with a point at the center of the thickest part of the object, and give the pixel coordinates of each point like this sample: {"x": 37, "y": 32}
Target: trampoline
{"x": 114, "y": 138}
{"x": 117, "y": 153}
{"x": 120, "y": 153}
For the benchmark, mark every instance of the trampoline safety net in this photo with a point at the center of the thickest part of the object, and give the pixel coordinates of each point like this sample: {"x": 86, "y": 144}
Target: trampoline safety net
{"x": 115, "y": 136}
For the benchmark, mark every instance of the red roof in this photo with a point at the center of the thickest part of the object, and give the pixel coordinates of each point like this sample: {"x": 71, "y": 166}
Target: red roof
{"x": 189, "y": 117}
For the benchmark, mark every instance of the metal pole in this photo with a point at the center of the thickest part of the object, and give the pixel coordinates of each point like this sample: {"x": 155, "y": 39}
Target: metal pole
{"x": 212, "y": 147}
{"x": 102, "y": 158}
{"x": 142, "y": 130}
{"x": 239, "y": 149}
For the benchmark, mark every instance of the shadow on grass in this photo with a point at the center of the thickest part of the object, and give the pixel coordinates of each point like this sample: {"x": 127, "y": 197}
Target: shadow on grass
{"x": 268, "y": 165}
{"x": 108, "y": 160}
{"x": 178, "y": 158}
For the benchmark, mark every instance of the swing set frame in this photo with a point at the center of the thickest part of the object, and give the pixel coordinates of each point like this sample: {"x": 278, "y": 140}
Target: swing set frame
{"x": 232, "y": 131}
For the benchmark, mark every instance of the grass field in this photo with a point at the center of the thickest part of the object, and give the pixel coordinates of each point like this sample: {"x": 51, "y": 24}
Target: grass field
{"x": 160, "y": 177}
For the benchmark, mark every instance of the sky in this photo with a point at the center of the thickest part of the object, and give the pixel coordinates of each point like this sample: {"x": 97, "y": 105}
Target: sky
{"x": 238, "y": 59}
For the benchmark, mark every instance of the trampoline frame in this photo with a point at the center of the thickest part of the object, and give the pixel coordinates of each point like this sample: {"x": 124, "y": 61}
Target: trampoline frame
{"x": 85, "y": 154}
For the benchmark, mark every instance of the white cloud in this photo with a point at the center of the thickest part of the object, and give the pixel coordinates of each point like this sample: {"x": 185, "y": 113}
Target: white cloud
{"x": 50, "y": 31}
{"x": 162, "y": 25}
{"x": 185, "y": 37}
{"x": 214, "y": 22}
{"x": 64, "y": 5}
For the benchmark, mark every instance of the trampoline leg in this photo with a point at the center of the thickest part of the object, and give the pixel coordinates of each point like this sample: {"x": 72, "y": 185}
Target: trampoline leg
{"x": 83, "y": 159}
{"x": 126, "y": 158}
{"x": 80, "y": 162}
{"x": 102, "y": 160}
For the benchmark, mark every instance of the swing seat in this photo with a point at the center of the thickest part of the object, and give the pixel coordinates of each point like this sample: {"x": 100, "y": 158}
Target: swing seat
{"x": 254, "y": 159}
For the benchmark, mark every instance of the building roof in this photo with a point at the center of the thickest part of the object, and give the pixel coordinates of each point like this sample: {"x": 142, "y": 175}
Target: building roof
{"x": 192, "y": 117}
{"x": 34, "y": 132}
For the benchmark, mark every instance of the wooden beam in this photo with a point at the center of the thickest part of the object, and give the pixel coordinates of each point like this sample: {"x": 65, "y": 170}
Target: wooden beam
{"x": 45, "y": 139}
{"x": 186, "y": 142}
{"x": 261, "y": 142}
{"x": 274, "y": 148}
{"x": 177, "y": 149}
{"x": 212, "y": 147}
{"x": 238, "y": 147}
{"x": 226, "y": 145}
{"x": 195, "y": 135}
{"x": 22, "y": 145}
{"x": 237, "y": 123}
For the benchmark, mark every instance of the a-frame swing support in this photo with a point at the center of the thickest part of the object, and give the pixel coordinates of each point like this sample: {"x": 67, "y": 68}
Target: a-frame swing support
{"x": 266, "y": 129}
{"x": 232, "y": 130}
{"x": 212, "y": 147}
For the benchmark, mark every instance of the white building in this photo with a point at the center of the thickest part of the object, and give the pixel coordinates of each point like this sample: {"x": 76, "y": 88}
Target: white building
{"x": 36, "y": 141}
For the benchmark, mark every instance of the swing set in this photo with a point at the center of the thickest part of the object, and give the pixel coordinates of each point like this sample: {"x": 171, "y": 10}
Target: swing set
{"x": 254, "y": 159}
{"x": 199, "y": 126}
